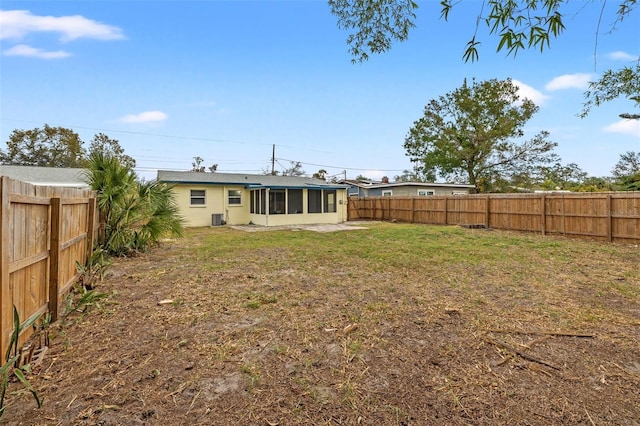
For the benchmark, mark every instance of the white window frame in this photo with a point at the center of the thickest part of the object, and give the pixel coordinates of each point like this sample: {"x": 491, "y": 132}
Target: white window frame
{"x": 426, "y": 192}
{"x": 387, "y": 193}
{"x": 202, "y": 197}
{"x": 234, "y": 197}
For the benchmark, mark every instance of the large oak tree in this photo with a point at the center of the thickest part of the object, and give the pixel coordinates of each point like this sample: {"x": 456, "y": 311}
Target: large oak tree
{"x": 45, "y": 147}
{"x": 475, "y": 135}
{"x": 58, "y": 147}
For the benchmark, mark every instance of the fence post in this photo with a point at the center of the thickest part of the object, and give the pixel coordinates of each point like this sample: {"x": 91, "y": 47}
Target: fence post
{"x": 413, "y": 210}
{"x": 488, "y": 212}
{"x": 610, "y": 218}
{"x": 564, "y": 218}
{"x": 54, "y": 256}
{"x": 6, "y": 303}
{"x": 446, "y": 213}
{"x": 543, "y": 214}
{"x": 91, "y": 222}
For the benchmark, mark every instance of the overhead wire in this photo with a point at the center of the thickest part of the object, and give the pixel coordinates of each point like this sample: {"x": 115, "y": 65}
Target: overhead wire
{"x": 196, "y": 138}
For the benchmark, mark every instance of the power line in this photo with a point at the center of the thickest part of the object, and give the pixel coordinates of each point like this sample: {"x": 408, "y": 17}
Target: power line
{"x": 160, "y": 159}
{"x": 159, "y": 135}
{"x": 342, "y": 167}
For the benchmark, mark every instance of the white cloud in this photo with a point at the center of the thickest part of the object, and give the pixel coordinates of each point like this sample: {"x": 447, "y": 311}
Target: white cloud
{"x": 622, "y": 56}
{"x": 526, "y": 91}
{"x": 145, "y": 117}
{"x": 16, "y": 24}
{"x": 629, "y": 127}
{"x": 25, "y": 50}
{"x": 569, "y": 81}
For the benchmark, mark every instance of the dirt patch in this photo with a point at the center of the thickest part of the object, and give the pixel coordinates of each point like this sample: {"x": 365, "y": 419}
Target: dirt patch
{"x": 334, "y": 227}
{"x": 242, "y": 339}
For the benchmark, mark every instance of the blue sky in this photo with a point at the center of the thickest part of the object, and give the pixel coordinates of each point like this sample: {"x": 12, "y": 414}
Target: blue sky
{"x": 226, "y": 80}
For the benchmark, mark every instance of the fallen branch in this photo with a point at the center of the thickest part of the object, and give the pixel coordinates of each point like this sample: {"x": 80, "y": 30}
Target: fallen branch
{"x": 533, "y": 342}
{"x": 520, "y": 353}
{"x": 546, "y": 333}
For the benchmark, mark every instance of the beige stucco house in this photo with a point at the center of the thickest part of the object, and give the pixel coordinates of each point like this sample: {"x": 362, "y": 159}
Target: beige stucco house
{"x": 206, "y": 199}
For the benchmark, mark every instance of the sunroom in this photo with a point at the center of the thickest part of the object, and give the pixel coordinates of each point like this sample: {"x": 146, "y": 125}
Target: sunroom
{"x": 286, "y": 205}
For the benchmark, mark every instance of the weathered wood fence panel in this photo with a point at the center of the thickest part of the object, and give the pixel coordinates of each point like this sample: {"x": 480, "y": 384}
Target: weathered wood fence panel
{"x": 612, "y": 216}
{"x": 45, "y": 230}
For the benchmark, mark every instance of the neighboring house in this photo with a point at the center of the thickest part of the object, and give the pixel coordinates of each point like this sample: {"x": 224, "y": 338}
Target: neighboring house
{"x": 47, "y": 176}
{"x": 362, "y": 188}
{"x": 206, "y": 199}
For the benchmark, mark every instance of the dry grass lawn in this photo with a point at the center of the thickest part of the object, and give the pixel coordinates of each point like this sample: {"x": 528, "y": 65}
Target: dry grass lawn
{"x": 396, "y": 324}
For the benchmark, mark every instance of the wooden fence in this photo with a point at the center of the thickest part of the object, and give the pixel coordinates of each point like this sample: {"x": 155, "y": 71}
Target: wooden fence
{"x": 44, "y": 231}
{"x": 608, "y": 216}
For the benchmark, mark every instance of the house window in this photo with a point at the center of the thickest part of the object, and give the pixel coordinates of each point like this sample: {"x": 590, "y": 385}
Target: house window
{"x": 330, "y": 201}
{"x": 294, "y": 201}
{"x": 276, "y": 201}
{"x": 425, "y": 193}
{"x": 235, "y": 197}
{"x": 314, "y": 203}
{"x": 387, "y": 193}
{"x": 197, "y": 197}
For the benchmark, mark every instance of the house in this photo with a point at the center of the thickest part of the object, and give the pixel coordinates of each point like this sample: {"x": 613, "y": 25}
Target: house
{"x": 46, "y": 176}
{"x": 368, "y": 188}
{"x": 206, "y": 199}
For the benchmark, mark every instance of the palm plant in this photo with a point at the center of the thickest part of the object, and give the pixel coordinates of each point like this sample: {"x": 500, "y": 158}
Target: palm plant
{"x": 133, "y": 214}
{"x": 161, "y": 214}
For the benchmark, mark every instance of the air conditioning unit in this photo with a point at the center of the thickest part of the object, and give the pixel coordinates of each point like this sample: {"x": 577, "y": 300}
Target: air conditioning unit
{"x": 217, "y": 219}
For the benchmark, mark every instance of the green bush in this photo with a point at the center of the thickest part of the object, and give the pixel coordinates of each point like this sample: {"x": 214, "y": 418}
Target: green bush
{"x": 134, "y": 215}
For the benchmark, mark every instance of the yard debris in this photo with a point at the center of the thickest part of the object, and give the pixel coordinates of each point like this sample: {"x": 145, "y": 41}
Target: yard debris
{"x": 520, "y": 353}
{"x": 543, "y": 332}
{"x": 350, "y": 328}
{"x": 165, "y": 302}
{"x": 534, "y": 342}
{"x": 474, "y": 226}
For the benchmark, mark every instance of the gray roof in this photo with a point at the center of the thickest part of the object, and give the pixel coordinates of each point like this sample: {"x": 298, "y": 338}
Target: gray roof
{"x": 367, "y": 184}
{"x": 46, "y": 176}
{"x": 246, "y": 180}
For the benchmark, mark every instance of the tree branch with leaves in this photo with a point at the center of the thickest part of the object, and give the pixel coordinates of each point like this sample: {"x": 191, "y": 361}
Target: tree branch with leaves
{"x": 375, "y": 25}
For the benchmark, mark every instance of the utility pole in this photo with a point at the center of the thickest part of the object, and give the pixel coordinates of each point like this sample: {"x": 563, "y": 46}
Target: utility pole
{"x": 273, "y": 160}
